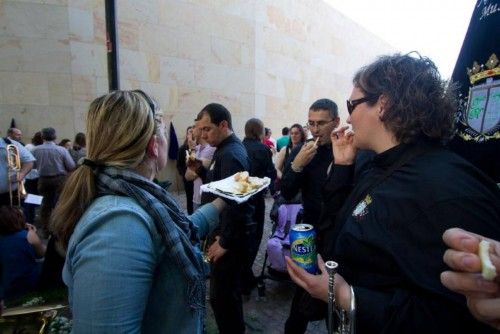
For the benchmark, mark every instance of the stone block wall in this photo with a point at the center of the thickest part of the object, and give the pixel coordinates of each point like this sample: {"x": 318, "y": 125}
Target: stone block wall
{"x": 260, "y": 58}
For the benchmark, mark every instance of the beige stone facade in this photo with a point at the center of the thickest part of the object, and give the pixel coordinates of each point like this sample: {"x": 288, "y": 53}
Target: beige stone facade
{"x": 260, "y": 58}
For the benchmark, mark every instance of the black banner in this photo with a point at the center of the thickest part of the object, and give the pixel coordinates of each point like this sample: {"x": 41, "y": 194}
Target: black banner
{"x": 478, "y": 74}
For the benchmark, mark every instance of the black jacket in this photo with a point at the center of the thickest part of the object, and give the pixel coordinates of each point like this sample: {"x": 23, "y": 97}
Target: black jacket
{"x": 230, "y": 158}
{"x": 310, "y": 181}
{"x": 261, "y": 158}
{"x": 388, "y": 241}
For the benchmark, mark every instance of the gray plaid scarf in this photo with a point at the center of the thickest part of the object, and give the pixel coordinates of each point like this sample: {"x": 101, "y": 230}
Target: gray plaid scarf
{"x": 178, "y": 233}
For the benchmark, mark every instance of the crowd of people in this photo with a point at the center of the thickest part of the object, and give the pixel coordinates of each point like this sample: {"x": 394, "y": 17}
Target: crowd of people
{"x": 40, "y": 167}
{"x": 386, "y": 198}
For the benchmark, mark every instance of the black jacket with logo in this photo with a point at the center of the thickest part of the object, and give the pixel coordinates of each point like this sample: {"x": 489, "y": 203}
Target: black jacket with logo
{"x": 388, "y": 242}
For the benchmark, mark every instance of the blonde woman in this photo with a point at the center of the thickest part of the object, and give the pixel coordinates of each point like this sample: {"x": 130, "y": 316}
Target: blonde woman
{"x": 132, "y": 262}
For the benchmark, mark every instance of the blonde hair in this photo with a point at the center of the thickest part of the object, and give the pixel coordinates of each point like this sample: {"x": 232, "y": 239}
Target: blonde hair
{"x": 119, "y": 127}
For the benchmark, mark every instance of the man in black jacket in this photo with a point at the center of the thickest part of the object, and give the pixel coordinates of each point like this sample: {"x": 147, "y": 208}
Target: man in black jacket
{"x": 307, "y": 172}
{"x": 261, "y": 165}
{"x": 229, "y": 248}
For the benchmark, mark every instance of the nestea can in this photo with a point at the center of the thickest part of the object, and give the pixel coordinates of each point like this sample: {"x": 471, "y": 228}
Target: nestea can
{"x": 303, "y": 247}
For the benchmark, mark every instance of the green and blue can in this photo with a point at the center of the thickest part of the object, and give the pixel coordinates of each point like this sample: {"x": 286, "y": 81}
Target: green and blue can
{"x": 303, "y": 247}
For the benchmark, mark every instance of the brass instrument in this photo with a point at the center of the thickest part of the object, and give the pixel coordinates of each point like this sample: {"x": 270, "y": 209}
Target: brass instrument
{"x": 14, "y": 167}
{"x": 29, "y": 319}
{"x": 347, "y": 318}
{"x": 331, "y": 269}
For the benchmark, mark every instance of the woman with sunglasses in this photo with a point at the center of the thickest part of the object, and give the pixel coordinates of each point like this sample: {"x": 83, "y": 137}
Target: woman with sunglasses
{"x": 388, "y": 225}
{"x": 132, "y": 261}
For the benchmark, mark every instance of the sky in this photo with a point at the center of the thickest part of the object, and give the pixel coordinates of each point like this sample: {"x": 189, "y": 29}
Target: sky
{"x": 434, "y": 28}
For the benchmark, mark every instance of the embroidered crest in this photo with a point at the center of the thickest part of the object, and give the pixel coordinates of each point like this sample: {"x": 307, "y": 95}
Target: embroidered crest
{"x": 361, "y": 209}
{"x": 479, "y": 114}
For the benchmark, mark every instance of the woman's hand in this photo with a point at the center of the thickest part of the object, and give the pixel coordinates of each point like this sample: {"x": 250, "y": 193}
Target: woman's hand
{"x": 317, "y": 285}
{"x": 483, "y": 297}
{"x": 35, "y": 241}
{"x": 32, "y": 236}
{"x": 191, "y": 141}
{"x": 343, "y": 148}
{"x": 215, "y": 251}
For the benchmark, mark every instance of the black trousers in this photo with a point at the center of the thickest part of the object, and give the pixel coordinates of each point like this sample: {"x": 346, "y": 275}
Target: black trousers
{"x": 50, "y": 188}
{"x": 296, "y": 322}
{"x": 254, "y": 237}
{"x": 5, "y": 199}
{"x": 188, "y": 187}
{"x": 304, "y": 309}
{"x": 225, "y": 293}
{"x": 31, "y": 186}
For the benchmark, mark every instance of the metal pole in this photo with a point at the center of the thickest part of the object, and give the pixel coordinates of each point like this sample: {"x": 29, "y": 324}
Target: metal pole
{"x": 112, "y": 45}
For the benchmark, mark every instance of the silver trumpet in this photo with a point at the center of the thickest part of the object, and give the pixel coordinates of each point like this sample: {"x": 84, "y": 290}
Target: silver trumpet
{"x": 14, "y": 167}
{"x": 347, "y": 318}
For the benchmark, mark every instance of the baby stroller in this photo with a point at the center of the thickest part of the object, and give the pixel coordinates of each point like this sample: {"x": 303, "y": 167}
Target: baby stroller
{"x": 284, "y": 215}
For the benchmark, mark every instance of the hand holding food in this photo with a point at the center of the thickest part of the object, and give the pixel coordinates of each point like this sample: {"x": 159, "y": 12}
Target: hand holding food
{"x": 305, "y": 155}
{"x": 488, "y": 270}
{"x": 474, "y": 268}
{"x": 190, "y": 156}
{"x": 191, "y": 161}
{"x": 343, "y": 147}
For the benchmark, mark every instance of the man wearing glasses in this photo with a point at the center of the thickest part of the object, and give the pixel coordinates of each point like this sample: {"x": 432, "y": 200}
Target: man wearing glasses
{"x": 307, "y": 172}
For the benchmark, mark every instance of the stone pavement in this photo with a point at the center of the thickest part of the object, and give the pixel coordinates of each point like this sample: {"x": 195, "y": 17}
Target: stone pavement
{"x": 267, "y": 315}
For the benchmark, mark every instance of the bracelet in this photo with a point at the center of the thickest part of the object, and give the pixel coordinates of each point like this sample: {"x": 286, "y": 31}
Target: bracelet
{"x": 296, "y": 169}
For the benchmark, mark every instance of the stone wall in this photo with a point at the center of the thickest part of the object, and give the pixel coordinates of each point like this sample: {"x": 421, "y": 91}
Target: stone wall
{"x": 260, "y": 58}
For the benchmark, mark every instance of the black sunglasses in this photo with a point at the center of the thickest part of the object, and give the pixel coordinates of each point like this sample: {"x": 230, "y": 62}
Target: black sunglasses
{"x": 351, "y": 104}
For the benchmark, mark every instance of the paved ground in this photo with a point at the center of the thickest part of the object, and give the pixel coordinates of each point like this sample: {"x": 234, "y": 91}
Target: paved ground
{"x": 264, "y": 315}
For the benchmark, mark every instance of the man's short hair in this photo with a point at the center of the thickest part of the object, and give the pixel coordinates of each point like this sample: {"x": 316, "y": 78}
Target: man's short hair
{"x": 326, "y": 104}
{"x": 48, "y": 134}
{"x": 217, "y": 113}
{"x": 285, "y": 131}
{"x": 11, "y": 132}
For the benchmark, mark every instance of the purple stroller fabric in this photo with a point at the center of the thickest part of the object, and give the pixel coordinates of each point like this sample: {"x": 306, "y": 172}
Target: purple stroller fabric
{"x": 278, "y": 246}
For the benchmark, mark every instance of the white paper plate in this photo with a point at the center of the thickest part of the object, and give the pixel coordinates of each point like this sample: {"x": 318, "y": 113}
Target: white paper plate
{"x": 228, "y": 188}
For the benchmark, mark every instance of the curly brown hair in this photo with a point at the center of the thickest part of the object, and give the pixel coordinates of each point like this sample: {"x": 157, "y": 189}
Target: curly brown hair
{"x": 420, "y": 105}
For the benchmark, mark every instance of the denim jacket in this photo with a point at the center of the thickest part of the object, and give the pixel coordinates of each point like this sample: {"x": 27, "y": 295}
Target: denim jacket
{"x": 117, "y": 277}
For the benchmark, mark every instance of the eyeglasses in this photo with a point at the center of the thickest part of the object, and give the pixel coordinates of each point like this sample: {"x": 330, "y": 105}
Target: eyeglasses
{"x": 319, "y": 124}
{"x": 351, "y": 104}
